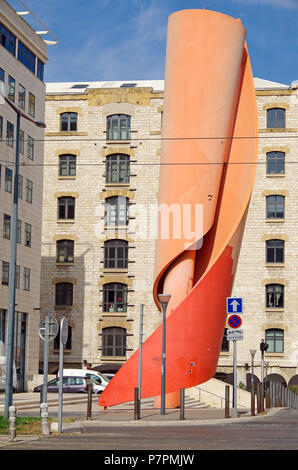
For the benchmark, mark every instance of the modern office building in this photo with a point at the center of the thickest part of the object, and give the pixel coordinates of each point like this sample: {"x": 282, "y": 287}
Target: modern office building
{"x": 100, "y": 195}
{"x": 23, "y": 55}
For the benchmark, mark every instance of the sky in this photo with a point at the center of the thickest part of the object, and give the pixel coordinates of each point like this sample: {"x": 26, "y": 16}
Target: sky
{"x": 107, "y": 40}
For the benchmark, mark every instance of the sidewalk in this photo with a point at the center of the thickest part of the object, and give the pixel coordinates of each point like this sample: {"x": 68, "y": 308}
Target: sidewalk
{"x": 192, "y": 417}
{"x": 123, "y": 414}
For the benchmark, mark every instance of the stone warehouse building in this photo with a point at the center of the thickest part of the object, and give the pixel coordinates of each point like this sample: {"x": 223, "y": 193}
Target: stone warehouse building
{"x": 101, "y": 178}
{"x": 23, "y": 55}
{"x": 266, "y": 277}
{"x": 100, "y": 189}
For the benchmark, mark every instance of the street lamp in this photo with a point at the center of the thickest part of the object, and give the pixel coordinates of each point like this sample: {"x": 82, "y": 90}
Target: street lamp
{"x": 252, "y": 353}
{"x": 13, "y": 257}
{"x": 164, "y": 300}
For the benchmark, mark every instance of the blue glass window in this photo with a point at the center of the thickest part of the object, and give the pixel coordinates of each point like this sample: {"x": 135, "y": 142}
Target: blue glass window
{"x": 40, "y": 70}
{"x": 26, "y": 57}
{"x": 2, "y": 80}
{"x": 7, "y": 39}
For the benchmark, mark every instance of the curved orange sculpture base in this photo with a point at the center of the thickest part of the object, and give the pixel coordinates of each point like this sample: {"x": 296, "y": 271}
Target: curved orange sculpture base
{"x": 210, "y": 105}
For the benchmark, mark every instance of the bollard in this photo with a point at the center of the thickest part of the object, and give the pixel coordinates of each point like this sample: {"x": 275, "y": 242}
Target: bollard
{"x": 278, "y": 394}
{"x": 262, "y": 397}
{"x": 40, "y": 398}
{"x": 267, "y": 395}
{"x": 274, "y": 394}
{"x": 253, "y": 400}
{"x": 227, "y": 401}
{"x": 258, "y": 398}
{"x": 89, "y": 400}
{"x": 283, "y": 395}
{"x": 12, "y": 423}
{"x": 44, "y": 419}
{"x": 271, "y": 394}
{"x": 182, "y": 397}
{"x": 136, "y": 405}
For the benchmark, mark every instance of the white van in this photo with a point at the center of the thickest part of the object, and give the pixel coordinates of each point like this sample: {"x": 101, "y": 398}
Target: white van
{"x": 99, "y": 378}
{"x": 3, "y": 374}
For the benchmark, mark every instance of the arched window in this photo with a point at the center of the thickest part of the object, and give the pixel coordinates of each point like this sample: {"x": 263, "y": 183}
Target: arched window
{"x": 274, "y": 337}
{"x": 65, "y": 251}
{"x": 276, "y": 118}
{"x": 275, "y": 207}
{"x": 275, "y": 163}
{"x": 275, "y": 251}
{"x": 114, "y": 341}
{"x": 64, "y": 293}
{"x": 117, "y": 168}
{"x": 116, "y": 211}
{"x": 274, "y": 296}
{"x": 66, "y": 207}
{"x": 118, "y": 127}
{"x": 67, "y": 165}
{"x": 116, "y": 254}
{"x": 68, "y": 121}
{"x": 115, "y": 297}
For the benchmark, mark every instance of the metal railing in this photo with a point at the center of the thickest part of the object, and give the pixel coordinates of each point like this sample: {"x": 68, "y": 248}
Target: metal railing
{"x": 277, "y": 395}
{"x": 222, "y": 398}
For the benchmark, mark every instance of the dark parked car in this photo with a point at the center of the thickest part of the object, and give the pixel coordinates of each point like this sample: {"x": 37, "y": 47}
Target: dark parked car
{"x": 71, "y": 385}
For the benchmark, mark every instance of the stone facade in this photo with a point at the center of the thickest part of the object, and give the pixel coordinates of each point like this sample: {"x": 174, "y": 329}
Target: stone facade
{"x": 90, "y": 189}
{"x": 87, "y": 317}
{"x": 14, "y": 70}
{"x": 254, "y": 273}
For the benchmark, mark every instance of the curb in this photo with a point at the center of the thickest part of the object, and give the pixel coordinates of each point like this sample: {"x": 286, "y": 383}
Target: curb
{"x": 81, "y": 426}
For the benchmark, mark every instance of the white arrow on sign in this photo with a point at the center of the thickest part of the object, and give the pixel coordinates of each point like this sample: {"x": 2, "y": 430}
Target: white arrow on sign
{"x": 234, "y": 305}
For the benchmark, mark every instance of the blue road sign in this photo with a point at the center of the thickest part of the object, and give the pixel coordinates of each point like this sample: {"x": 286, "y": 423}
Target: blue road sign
{"x": 234, "y": 305}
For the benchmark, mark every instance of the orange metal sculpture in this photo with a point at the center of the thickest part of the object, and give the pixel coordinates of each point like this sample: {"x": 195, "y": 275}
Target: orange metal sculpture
{"x": 209, "y": 152}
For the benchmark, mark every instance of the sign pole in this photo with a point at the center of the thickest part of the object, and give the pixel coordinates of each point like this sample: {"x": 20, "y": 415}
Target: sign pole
{"x": 235, "y": 377}
{"x": 140, "y": 359}
{"x": 45, "y": 361}
{"x": 62, "y": 342}
{"x": 61, "y": 354}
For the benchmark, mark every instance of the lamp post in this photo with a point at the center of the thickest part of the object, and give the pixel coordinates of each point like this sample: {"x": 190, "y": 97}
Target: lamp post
{"x": 252, "y": 353}
{"x": 13, "y": 258}
{"x": 164, "y": 300}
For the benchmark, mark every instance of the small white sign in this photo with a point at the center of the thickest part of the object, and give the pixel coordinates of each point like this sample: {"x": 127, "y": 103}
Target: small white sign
{"x": 53, "y": 328}
{"x": 234, "y": 335}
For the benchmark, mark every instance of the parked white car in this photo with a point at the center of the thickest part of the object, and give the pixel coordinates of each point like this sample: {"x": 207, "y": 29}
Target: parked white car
{"x": 98, "y": 378}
